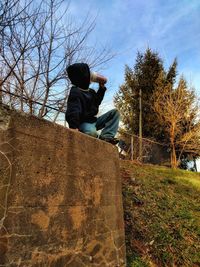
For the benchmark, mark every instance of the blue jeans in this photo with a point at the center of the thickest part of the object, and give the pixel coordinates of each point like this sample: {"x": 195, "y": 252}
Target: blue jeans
{"x": 108, "y": 122}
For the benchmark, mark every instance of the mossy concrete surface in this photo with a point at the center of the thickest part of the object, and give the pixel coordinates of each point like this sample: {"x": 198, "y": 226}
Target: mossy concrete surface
{"x": 60, "y": 196}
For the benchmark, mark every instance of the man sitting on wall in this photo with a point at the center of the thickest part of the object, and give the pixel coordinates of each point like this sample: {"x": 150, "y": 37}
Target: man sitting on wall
{"x": 83, "y": 105}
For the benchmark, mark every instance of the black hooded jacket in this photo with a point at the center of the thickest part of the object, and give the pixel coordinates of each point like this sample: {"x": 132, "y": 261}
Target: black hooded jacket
{"x": 83, "y": 102}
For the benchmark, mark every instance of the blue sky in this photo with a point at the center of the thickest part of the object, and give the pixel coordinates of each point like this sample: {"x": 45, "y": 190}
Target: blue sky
{"x": 170, "y": 27}
{"x": 126, "y": 26}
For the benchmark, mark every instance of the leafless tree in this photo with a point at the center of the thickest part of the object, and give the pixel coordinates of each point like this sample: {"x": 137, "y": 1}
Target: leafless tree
{"x": 39, "y": 47}
{"x": 178, "y": 111}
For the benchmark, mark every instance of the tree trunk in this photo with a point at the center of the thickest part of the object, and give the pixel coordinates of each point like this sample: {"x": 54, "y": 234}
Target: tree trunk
{"x": 1, "y": 93}
{"x": 173, "y": 157}
{"x": 174, "y": 161}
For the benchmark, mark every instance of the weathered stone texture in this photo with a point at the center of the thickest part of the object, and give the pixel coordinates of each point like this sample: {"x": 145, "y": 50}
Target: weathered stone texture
{"x": 60, "y": 196}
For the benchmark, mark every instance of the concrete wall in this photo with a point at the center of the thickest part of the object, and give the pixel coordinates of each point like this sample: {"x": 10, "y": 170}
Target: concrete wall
{"x": 60, "y": 196}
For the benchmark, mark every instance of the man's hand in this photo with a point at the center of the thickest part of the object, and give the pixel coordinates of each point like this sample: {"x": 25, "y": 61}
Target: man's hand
{"x": 102, "y": 84}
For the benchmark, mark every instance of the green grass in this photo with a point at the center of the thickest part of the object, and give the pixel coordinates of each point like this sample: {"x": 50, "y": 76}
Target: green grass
{"x": 162, "y": 215}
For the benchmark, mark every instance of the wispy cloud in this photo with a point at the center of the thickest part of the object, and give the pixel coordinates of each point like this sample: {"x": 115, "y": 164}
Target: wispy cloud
{"x": 170, "y": 27}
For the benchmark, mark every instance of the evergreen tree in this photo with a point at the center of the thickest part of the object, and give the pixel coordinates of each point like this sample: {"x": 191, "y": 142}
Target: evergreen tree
{"x": 172, "y": 73}
{"x": 126, "y": 101}
{"x": 144, "y": 76}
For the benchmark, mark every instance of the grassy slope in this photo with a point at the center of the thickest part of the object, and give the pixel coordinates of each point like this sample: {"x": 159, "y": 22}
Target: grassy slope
{"x": 162, "y": 215}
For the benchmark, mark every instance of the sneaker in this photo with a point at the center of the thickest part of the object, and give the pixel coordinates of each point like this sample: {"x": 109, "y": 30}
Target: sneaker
{"x": 111, "y": 140}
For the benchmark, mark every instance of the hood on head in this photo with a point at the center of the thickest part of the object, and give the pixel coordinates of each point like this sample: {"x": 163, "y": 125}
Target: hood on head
{"x": 79, "y": 75}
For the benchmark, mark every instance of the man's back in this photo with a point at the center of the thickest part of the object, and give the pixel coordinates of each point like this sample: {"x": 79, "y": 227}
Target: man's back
{"x": 83, "y": 102}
